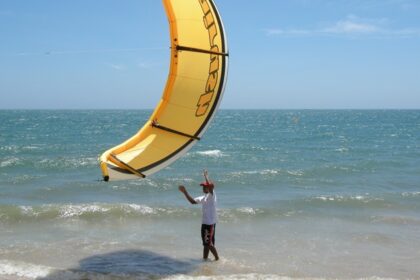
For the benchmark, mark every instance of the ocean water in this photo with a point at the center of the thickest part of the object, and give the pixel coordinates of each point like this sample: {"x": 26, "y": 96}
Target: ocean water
{"x": 302, "y": 194}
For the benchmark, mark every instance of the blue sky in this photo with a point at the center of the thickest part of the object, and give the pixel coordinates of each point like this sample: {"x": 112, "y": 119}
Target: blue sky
{"x": 296, "y": 54}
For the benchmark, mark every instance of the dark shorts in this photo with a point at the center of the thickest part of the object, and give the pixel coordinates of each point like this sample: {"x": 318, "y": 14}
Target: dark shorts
{"x": 207, "y": 234}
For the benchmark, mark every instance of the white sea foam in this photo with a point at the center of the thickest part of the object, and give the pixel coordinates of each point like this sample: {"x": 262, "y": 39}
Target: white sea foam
{"x": 258, "y": 172}
{"x": 31, "y": 147}
{"x": 9, "y": 148}
{"x": 69, "y": 162}
{"x": 269, "y": 171}
{"x": 410, "y": 194}
{"x": 11, "y": 161}
{"x": 212, "y": 153}
{"x": 295, "y": 172}
{"x": 28, "y": 211}
{"x": 69, "y": 211}
{"x": 341, "y": 198}
{"x": 342, "y": 150}
{"x": 89, "y": 161}
{"x": 115, "y": 187}
{"x": 114, "y": 211}
{"x": 21, "y": 269}
{"x": 143, "y": 209}
{"x": 253, "y": 276}
{"x": 26, "y": 271}
{"x": 145, "y": 182}
{"x": 248, "y": 210}
{"x": 326, "y": 198}
{"x": 78, "y": 210}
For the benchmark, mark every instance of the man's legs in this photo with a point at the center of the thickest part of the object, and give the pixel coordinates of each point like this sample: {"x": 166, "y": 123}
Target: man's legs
{"x": 207, "y": 235}
{"x": 206, "y": 250}
{"x": 211, "y": 249}
{"x": 214, "y": 252}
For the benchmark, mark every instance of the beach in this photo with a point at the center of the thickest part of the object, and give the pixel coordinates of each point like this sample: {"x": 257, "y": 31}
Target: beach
{"x": 302, "y": 194}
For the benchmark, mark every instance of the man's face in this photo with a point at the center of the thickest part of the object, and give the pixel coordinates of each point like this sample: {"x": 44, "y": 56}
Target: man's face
{"x": 205, "y": 189}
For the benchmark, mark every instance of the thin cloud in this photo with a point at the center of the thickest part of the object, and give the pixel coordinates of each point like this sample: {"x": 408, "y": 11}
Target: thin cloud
{"x": 350, "y": 26}
{"x": 116, "y": 67}
{"x": 407, "y": 32}
{"x": 149, "y": 65}
{"x": 144, "y": 65}
{"x": 82, "y": 52}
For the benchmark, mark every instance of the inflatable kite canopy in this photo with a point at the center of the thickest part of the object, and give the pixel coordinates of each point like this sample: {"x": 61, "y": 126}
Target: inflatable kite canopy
{"x": 193, "y": 92}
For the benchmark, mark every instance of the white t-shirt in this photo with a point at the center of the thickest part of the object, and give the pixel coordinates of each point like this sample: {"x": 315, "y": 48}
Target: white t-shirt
{"x": 209, "y": 203}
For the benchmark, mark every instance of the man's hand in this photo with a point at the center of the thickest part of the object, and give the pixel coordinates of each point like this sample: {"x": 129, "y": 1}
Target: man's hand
{"x": 182, "y": 189}
{"x": 206, "y": 175}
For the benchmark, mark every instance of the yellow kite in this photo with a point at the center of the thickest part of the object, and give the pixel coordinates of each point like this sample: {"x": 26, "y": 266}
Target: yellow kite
{"x": 193, "y": 92}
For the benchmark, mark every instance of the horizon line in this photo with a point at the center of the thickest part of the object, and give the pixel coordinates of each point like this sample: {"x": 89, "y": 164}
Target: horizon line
{"x": 220, "y": 109}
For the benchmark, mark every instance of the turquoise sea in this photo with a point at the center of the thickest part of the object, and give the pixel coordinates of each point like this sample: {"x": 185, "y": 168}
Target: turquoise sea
{"x": 329, "y": 194}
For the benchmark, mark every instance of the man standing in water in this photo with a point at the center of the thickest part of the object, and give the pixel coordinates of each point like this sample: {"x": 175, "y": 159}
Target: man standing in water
{"x": 209, "y": 220}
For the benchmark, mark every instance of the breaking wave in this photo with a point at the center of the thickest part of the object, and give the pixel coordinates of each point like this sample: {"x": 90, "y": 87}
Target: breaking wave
{"x": 211, "y": 153}
{"x": 99, "y": 212}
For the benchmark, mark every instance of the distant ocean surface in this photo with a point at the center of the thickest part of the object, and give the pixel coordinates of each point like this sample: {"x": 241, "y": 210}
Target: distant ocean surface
{"x": 329, "y": 194}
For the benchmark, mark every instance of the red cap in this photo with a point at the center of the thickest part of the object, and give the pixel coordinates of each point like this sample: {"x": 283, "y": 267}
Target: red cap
{"x": 206, "y": 184}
